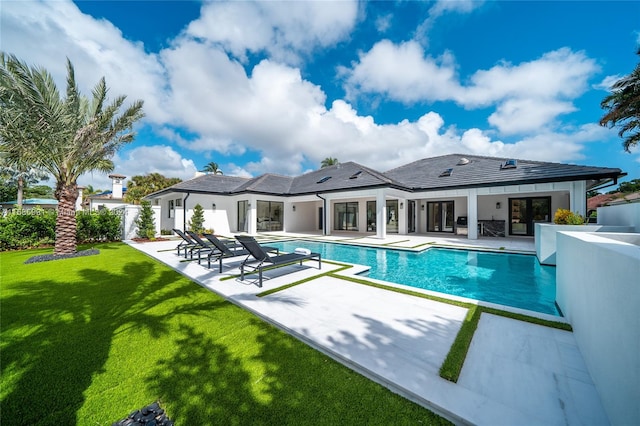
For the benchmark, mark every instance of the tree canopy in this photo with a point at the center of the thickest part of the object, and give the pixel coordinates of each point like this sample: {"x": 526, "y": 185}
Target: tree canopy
{"x": 329, "y": 161}
{"x": 142, "y": 185}
{"x": 63, "y": 135}
{"x": 622, "y": 108}
{"x": 212, "y": 168}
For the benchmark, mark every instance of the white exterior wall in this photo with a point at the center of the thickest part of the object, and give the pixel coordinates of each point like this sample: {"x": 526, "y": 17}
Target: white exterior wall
{"x": 621, "y": 214}
{"x": 304, "y": 219}
{"x": 129, "y": 214}
{"x": 598, "y": 291}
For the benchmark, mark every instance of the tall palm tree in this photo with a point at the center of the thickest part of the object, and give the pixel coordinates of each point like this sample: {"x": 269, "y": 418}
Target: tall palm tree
{"x": 329, "y": 161}
{"x": 64, "y": 136}
{"x": 623, "y": 108}
{"x": 212, "y": 168}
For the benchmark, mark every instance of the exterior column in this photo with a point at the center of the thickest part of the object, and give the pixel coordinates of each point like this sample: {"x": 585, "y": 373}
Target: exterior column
{"x": 381, "y": 214}
{"x": 472, "y": 214}
{"x": 403, "y": 208}
{"x": 577, "y": 198}
{"x": 328, "y": 218}
{"x": 252, "y": 216}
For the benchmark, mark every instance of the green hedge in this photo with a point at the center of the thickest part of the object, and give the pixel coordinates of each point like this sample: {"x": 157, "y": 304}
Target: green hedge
{"x": 21, "y": 229}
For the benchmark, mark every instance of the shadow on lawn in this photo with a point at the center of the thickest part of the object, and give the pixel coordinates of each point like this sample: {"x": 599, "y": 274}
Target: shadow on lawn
{"x": 56, "y": 338}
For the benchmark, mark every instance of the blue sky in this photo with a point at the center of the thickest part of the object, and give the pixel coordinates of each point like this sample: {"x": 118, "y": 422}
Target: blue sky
{"x": 278, "y": 86}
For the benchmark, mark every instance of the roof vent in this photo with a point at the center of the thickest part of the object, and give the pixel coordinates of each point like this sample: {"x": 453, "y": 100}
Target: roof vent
{"x": 446, "y": 173}
{"x": 463, "y": 161}
{"x": 356, "y": 174}
{"x": 509, "y": 164}
{"x": 324, "y": 179}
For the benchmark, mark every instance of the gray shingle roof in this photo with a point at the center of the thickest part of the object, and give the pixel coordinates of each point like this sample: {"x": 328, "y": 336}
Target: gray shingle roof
{"x": 421, "y": 175}
{"x": 207, "y": 184}
{"x": 487, "y": 171}
{"x": 268, "y": 183}
{"x": 342, "y": 176}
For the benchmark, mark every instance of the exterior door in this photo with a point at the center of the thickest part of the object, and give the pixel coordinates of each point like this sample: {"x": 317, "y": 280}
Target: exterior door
{"x": 440, "y": 216}
{"x": 411, "y": 216}
{"x": 243, "y": 207}
{"x": 525, "y": 212}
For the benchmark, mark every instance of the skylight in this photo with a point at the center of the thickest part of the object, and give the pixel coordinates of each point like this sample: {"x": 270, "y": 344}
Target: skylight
{"x": 509, "y": 164}
{"x": 446, "y": 172}
{"x": 324, "y": 179}
{"x": 463, "y": 161}
{"x": 355, "y": 175}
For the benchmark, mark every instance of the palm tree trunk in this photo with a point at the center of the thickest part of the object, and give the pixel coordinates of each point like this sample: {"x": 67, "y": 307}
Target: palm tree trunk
{"x": 66, "y": 220}
{"x": 20, "y": 192}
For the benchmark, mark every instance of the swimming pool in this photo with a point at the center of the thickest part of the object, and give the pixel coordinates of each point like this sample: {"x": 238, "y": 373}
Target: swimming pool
{"x": 508, "y": 279}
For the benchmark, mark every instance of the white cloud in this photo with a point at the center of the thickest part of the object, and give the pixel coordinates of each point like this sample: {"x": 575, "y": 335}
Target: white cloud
{"x": 607, "y": 82}
{"x": 383, "y": 23}
{"x": 283, "y": 32}
{"x": 45, "y": 33}
{"x": 439, "y": 8}
{"x": 527, "y": 96}
{"x": 195, "y": 88}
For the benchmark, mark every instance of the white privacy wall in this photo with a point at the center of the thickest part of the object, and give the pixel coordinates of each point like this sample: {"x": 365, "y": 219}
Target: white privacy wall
{"x": 598, "y": 290}
{"x": 620, "y": 214}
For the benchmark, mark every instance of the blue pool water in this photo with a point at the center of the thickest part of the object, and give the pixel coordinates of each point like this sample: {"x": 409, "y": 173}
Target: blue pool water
{"x": 507, "y": 279}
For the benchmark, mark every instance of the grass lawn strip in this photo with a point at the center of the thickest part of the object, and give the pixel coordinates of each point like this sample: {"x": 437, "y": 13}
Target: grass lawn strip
{"x": 88, "y": 340}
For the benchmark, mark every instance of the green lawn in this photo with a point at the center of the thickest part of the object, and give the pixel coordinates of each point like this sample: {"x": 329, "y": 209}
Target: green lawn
{"x": 88, "y": 340}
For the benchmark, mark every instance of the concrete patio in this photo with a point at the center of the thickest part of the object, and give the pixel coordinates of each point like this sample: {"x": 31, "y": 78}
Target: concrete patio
{"x": 515, "y": 373}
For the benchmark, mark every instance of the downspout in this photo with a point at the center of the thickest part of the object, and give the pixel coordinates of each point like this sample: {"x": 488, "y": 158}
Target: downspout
{"x": 184, "y": 212}
{"x": 324, "y": 214}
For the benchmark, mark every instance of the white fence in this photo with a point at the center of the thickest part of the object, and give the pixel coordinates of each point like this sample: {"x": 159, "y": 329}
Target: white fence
{"x": 129, "y": 214}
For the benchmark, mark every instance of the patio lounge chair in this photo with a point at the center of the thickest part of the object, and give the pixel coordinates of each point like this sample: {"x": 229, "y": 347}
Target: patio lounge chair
{"x": 267, "y": 262}
{"x": 231, "y": 248}
{"x": 200, "y": 247}
{"x": 186, "y": 244}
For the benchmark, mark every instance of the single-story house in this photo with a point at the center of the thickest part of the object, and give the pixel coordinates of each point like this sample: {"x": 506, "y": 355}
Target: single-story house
{"x": 31, "y": 203}
{"x": 457, "y": 194}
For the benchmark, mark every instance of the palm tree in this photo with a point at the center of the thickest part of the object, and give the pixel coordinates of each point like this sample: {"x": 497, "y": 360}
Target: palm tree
{"x": 329, "y": 161}
{"x": 21, "y": 174}
{"x": 212, "y": 168}
{"x": 623, "y": 108}
{"x": 64, "y": 136}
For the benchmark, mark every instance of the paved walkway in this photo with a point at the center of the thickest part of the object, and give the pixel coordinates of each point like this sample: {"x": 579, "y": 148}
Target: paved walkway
{"x": 516, "y": 373}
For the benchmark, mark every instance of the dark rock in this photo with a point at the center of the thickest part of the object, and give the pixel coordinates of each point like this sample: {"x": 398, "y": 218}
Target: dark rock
{"x": 48, "y": 257}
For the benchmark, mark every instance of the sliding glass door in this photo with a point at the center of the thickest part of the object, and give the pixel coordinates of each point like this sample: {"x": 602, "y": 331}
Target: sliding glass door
{"x": 440, "y": 216}
{"x": 525, "y": 212}
{"x": 345, "y": 216}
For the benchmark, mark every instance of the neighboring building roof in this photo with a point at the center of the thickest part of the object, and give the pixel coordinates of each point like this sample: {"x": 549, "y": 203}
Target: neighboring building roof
{"x": 480, "y": 171}
{"x": 428, "y": 174}
{"x": 115, "y": 175}
{"x": 612, "y": 199}
{"x": 106, "y": 195}
{"x": 34, "y": 201}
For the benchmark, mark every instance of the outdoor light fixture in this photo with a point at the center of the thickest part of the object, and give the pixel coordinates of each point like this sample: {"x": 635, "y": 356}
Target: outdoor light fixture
{"x": 294, "y": 208}
{"x": 498, "y": 205}
{"x": 213, "y": 206}
{"x": 401, "y": 205}
{"x": 422, "y": 207}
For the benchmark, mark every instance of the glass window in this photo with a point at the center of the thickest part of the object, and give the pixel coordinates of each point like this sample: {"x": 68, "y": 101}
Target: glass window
{"x": 440, "y": 216}
{"x": 345, "y": 216}
{"x": 171, "y": 209}
{"x": 392, "y": 216}
{"x": 243, "y": 206}
{"x": 270, "y": 215}
{"x": 371, "y": 216}
{"x": 178, "y": 202}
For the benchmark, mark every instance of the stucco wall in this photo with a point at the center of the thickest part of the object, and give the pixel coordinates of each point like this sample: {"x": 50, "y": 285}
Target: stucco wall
{"x": 621, "y": 214}
{"x": 545, "y": 237}
{"x": 598, "y": 291}
{"x": 130, "y": 214}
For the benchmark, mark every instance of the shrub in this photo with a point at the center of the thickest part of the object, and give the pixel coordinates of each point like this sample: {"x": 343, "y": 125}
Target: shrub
{"x": 196, "y": 224}
{"x": 24, "y": 228}
{"x": 145, "y": 222}
{"x": 567, "y": 217}
{"x": 103, "y": 225}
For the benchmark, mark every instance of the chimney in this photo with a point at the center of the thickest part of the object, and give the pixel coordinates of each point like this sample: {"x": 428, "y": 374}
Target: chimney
{"x": 116, "y": 186}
